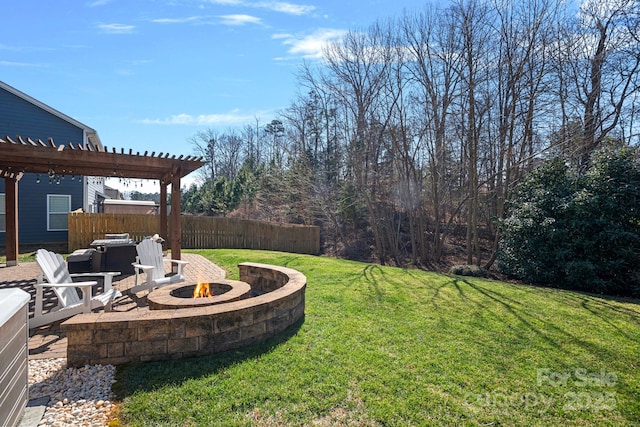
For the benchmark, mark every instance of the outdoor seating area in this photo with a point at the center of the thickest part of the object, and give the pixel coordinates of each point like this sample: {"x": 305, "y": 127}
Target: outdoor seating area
{"x": 151, "y": 263}
{"x": 115, "y": 301}
{"x": 176, "y": 332}
{"x": 48, "y": 340}
{"x": 54, "y": 270}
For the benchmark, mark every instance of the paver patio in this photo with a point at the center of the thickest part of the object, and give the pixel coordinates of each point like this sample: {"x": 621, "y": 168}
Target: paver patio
{"x": 50, "y": 341}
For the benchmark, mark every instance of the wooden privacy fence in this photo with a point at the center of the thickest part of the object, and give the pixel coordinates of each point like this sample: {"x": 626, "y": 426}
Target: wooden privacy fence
{"x": 198, "y": 232}
{"x": 84, "y": 228}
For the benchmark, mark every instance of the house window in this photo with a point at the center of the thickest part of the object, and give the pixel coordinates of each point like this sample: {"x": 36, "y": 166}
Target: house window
{"x": 3, "y": 214}
{"x": 58, "y": 206}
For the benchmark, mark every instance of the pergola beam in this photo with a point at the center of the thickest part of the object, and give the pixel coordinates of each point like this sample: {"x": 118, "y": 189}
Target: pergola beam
{"x": 65, "y": 160}
{"x": 18, "y": 157}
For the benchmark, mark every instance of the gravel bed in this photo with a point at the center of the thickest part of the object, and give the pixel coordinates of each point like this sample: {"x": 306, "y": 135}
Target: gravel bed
{"x": 77, "y": 396}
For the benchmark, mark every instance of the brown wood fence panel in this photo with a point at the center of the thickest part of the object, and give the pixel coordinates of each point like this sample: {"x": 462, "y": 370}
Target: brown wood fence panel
{"x": 234, "y": 233}
{"x": 84, "y": 228}
{"x": 198, "y": 232}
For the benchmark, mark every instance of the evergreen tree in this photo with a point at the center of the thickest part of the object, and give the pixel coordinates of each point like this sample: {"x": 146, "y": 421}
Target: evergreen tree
{"x": 577, "y": 231}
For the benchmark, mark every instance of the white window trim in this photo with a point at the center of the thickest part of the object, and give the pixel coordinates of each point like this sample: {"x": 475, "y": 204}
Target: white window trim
{"x": 4, "y": 213}
{"x": 68, "y": 197}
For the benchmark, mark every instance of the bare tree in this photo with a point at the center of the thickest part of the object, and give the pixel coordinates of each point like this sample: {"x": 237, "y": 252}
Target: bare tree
{"x": 223, "y": 153}
{"x": 414, "y": 129}
{"x": 429, "y": 40}
{"x": 600, "y": 68}
{"x": 205, "y": 144}
{"x": 471, "y": 19}
{"x": 358, "y": 67}
{"x": 521, "y": 67}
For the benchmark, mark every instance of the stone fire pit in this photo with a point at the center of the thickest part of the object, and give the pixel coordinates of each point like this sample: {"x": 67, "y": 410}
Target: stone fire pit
{"x": 145, "y": 335}
{"x": 180, "y": 295}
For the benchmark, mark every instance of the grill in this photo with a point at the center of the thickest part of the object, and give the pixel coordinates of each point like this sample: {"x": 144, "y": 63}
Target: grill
{"x": 115, "y": 254}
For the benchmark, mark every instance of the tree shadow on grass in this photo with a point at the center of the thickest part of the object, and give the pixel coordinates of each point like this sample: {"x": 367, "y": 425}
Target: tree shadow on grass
{"x": 602, "y": 308}
{"x": 550, "y": 331}
{"x": 369, "y": 275}
{"x": 148, "y": 376}
{"x": 520, "y": 313}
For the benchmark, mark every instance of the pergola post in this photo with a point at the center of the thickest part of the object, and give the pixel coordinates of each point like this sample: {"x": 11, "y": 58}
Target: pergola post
{"x": 176, "y": 227}
{"x": 163, "y": 211}
{"x": 11, "y": 234}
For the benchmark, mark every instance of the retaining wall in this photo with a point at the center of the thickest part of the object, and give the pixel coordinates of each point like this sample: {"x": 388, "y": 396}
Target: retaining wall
{"x": 145, "y": 335}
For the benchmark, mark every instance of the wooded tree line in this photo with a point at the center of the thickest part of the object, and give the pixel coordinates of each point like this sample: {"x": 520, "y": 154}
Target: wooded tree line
{"x": 417, "y": 130}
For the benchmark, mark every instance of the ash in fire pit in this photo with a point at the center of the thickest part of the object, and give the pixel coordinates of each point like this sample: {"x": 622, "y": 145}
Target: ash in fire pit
{"x": 181, "y": 295}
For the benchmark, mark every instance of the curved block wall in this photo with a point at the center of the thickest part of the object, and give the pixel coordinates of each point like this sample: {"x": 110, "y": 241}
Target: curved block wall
{"x": 145, "y": 335}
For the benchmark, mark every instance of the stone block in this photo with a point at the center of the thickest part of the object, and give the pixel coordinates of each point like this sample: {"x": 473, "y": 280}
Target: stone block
{"x": 297, "y": 312}
{"x": 262, "y": 313}
{"x": 222, "y": 338}
{"x": 115, "y": 361}
{"x": 253, "y": 330}
{"x": 101, "y": 336}
{"x": 279, "y": 324}
{"x": 139, "y": 348}
{"x": 79, "y": 337}
{"x": 115, "y": 349}
{"x": 116, "y": 320}
{"x": 198, "y": 326}
{"x": 206, "y": 344}
{"x": 79, "y": 355}
{"x": 232, "y": 320}
{"x": 153, "y": 357}
{"x": 182, "y": 345}
{"x": 284, "y": 305}
{"x": 157, "y": 330}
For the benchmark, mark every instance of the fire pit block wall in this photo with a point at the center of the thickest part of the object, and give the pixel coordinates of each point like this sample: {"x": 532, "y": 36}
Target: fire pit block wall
{"x": 146, "y": 335}
{"x": 262, "y": 281}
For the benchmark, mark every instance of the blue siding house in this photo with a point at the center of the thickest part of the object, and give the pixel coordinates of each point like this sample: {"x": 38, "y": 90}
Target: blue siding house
{"x": 44, "y": 202}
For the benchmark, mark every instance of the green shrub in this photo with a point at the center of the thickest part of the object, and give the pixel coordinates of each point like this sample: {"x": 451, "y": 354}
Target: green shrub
{"x": 468, "y": 270}
{"x": 577, "y": 231}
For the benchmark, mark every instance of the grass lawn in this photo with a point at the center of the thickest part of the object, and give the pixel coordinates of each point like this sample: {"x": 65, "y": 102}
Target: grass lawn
{"x": 385, "y": 346}
{"x": 23, "y": 257}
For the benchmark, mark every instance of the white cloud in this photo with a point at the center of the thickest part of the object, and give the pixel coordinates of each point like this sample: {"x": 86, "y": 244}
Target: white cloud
{"x": 124, "y": 72}
{"x": 228, "y": 19}
{"x": 239, "y": 19}
{"x": 231, "y": 118}
{"x": 188, "y": 20}
{"x": 116, "y": 28}
{"x": 18, "y": 64}
{"x": 99, "y": 3}
{"x": 288, "y": 8}
{"x": 282, "y": 36}
{"x": 5, "y": 47}
{"x": 276, "y": 6}
{"x": 311, "y": 46}
{"x": 227, "y": 2}
{"x": 141, "y": 62}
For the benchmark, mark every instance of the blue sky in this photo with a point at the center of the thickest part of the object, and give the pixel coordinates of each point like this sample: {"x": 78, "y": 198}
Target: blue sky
{"x": 150, "y": 74}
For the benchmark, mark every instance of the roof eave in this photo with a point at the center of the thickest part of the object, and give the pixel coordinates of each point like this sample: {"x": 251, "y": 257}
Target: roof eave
{"x": 92, "y": 134}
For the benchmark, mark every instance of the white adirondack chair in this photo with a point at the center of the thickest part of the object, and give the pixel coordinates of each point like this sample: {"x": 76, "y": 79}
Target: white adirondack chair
{"x": 151, "y": 263}
{"x": 57, "y": 276}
